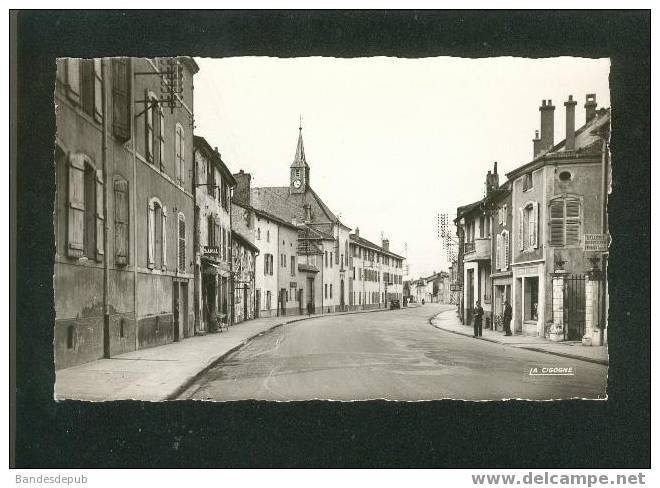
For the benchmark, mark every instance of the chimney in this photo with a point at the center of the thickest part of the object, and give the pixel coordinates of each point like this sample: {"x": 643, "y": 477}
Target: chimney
{"x": 242, "y": 190}
{"x": 590, "y": 107}
{"x": 547, "y": 125}
{"x": 537, "y": 143}
{"x": 385, "y": 244}
{"x": 492, "y": 179}
{"x": 357, "y": 232}
{"x": 570, "y": 123}
{"x": 308, "y": 213}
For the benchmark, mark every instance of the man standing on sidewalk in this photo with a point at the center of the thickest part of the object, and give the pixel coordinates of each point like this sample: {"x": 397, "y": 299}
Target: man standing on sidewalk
{"x": 478, "y": 315}
{"x": 506, "y": 318}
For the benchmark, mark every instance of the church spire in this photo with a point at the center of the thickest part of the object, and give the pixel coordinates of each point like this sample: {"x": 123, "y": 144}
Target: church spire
{"x": 299, "y": 160}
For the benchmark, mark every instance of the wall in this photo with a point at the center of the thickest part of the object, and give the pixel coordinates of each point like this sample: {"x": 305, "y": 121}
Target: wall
{"x": 266, "y": 240}
{"x": 287, "y": 244}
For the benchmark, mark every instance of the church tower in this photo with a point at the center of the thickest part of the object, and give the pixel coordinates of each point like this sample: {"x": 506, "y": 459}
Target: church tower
{"x": 299, "y": 181}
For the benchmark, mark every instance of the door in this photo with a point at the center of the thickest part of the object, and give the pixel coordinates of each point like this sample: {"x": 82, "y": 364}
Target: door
{"x": 183, "y": 310}
{"x": 341, "y": 294}
{"x": 257, "y": 303}
{"x": 469, "y": 304}
{"x": 245, "y": 302}
{"x": 574, "y": 307}
{"x": 176, "y": 306}
{"x": 310, "y": 294}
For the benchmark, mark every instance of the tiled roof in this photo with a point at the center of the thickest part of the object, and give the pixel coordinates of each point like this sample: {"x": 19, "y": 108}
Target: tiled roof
{"x": 279, "y": 201}
{"x": 368, "y": 244}
{"x": 307, "y": 267}
{"x": 243, "y": 241}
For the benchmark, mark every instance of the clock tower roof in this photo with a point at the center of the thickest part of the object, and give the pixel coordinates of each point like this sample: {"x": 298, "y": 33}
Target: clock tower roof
{"x": 299, "y": 161}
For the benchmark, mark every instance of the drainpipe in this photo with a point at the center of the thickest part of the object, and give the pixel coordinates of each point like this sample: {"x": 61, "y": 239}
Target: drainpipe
{"x": 106, "y": 247}
{"x": 134, "y": 201}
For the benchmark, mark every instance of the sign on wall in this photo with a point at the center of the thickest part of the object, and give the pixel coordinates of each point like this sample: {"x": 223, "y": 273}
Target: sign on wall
{"x": 595, "y": 242}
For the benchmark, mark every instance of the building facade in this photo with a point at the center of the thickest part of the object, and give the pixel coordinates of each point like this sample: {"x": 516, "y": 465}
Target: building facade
{"x": 213, "y": 187}
{"x": 501, "y": 275}
{"x": 124, "y": 209}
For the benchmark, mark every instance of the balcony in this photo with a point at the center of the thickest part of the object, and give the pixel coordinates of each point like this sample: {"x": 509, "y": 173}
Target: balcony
{"x": 479, "y": 250}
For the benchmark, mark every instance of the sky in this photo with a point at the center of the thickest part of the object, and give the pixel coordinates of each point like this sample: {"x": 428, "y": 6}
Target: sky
{"x": 390, "y": 142}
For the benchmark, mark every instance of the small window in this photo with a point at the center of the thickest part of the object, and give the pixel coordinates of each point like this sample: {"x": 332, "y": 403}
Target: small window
{"x": 565, "y": 176}
{"x": 528, "y": 182}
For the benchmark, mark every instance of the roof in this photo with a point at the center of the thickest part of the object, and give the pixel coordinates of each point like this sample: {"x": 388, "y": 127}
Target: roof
{"x": 190, "y": 63}
{"x": 243, "y": 241}
{"x": 307, "y": 267}
{"x": 368, "y": 244}
{"x": 587, "y": 143}
{"x": 279, "y": 201}
{"x": 299, "y": 161}
{"x": 465, "y": 209}
{"x": 202, "y": 145}
{"x": 274, "y": 218}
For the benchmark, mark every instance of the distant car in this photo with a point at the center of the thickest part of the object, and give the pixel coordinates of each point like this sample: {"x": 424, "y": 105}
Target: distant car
{"x": 395, "y": 304}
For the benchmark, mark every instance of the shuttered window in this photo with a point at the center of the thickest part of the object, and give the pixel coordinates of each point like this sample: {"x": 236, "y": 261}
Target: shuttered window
{"x": 149, "y": 128}
{"x": 182, "y": 243}
{"x": 157, "y": 235}
{"x": 98, "y": 90}
{"x": 161, "y": 140}
{"x": 498, "y": 252}
{"x": 180, "y": 143}
{"x": 121, "y": 221}
{"x": 565, "y": 221}
{"x": 528, "y": 227}
{"x": 73, "y": 80}
{"x": 91, "y": 88}
{"x": 121, "y": 108}
{"x": 76, "y": 210}
{"x": 505, "y": 238}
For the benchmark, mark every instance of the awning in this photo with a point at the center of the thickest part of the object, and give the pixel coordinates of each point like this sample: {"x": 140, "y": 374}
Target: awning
{"x": 209, "y": 268}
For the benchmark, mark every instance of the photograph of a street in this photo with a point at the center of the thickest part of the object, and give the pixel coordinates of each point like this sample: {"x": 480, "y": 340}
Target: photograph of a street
{"x": 392, "y": 355}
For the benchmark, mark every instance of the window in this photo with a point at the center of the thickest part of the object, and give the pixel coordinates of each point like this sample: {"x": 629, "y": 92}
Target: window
{"x": 156, "y": 247}
{"x": 331, "y": 259}
{"x": 330, "y": 290}
{"x": 121, "y": 99}
{"x": 267, "y": 235}
{"x": 528, "y": 227}
{"x": 325, "y": 291}
{"x": 91, "y": 94}
{"x": 528, "y": 182}
{"x": 565, "y": 176}
{"x": 325, "y": 258}
{"x": 181, "y": 251}
{"x": 85, "y": 212}
{"x": 210, "y": 179}
{"x": 73, "y": 80}
{"x": 258, "y": 233}
{"x": 180, "y": 155}
{"x": 161, "y": 139}
{"x": 502, "y": 251}
{"x": 121, "y": 221}
{"x": 342, "y": 260}
{"x": 152, "y": 103}
{"x": 565, "y": 221}
{"x": 293, "y": 266}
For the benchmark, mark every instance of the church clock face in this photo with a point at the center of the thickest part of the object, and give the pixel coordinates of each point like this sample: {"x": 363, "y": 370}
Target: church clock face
{"x": 297, "y": 184}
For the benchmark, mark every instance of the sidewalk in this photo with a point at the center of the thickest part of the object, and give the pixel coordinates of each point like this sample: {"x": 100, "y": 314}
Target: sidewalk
{"x": 161, "y": 373}
{"x": 448, "y": 321}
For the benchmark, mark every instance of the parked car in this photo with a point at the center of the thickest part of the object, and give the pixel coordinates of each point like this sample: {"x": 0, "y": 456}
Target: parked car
{"x": 395, "y": 304}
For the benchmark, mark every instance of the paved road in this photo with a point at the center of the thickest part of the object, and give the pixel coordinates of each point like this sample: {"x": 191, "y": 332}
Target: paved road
{"x": 395, "y": 355}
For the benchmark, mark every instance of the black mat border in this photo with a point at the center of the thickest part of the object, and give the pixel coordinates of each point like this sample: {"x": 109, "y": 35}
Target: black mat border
{"x": 442, "y": 434}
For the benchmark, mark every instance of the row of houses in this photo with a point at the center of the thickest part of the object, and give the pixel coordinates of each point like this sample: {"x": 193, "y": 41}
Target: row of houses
{"x": 539, "y": 240}
{"x": 431, "y": 289}
{"x": 157, "y": 240}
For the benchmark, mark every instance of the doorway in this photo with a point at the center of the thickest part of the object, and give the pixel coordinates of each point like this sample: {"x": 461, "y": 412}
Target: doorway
{"x": 469, "y": 302}
{"x": 176, "y": 307}
{"x": 341, "y": 295}
{"x": 310, "y": 295}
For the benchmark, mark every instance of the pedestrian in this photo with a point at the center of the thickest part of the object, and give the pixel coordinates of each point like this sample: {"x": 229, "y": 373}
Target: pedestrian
{"x": 478, "y": 315}
{"x": 507, "y": 318}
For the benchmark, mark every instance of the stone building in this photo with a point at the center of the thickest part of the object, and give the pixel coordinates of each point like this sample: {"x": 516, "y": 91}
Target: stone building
{"x": 560, "y": 230}
{"x": 376, "y": 275}
{"x": 123, "y": 214}
{"x": 213, "y": 187}
{"x": 243, "y": 257}
{"x": 499, "y": 203}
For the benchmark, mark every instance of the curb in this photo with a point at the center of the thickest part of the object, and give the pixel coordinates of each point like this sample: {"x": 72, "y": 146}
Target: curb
{"x": 173, "y": 396}
{"x": 528, "y": 348}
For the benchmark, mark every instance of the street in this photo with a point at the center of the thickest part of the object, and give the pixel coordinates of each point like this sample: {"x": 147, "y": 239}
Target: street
{"x": 395, "y": 355}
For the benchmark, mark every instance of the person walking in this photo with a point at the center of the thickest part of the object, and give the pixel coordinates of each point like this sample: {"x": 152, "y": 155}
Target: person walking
{"x": 506, "y": 318}
{"x": 478, "y": 315}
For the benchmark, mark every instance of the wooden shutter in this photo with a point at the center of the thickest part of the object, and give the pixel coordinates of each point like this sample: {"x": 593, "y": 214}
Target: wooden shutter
{"x": 76, "y": 212}
{"x": 87, "y": 85}
{"x": 149, "y": 127}
{"x": 73, "y": 79}
{"x": 572, "y": 221}
{"x": 177, "y": 153}
{"x": 498, "y": 252}
{"x": 121, "y": 222}
{"x": 521, "y": 225}
{"x": 533, "y": 226}
{"x": 216, "y": 232}
{"x": 98, "y": 90}
{"x": 506, "y": 250}
{"x": 556, "y": 222}
{"x": 182, "y": 162}
{"x": 121, "y": 116}
{"x": 151, "y": 245}
{"x": 182, "y": 245}
{"x": 164, "y": 237}
{"x": 161, "y": 139}
{"x": 99, "y": 217}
